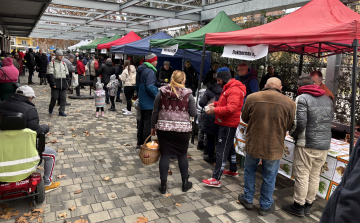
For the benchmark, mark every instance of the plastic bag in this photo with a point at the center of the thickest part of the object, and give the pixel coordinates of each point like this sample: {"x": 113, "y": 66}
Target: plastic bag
{"x": 74, "y": 81}
{"x": 152, "y": 145}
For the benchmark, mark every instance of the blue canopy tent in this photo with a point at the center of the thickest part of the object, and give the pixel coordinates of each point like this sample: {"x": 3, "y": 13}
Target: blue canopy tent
{"x": 142, "y": 47}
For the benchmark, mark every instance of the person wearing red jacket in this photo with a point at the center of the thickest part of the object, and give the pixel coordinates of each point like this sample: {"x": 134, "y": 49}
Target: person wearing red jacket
{"x": 81, "y": 71}
{"x": 227, "y": 112}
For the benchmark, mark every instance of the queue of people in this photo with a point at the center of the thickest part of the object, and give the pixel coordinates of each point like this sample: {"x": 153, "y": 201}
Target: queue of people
{"x": 167, "y": 102}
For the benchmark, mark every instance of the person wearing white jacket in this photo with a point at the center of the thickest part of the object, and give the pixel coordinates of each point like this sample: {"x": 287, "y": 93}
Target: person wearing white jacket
{"x": 128, "y": 77}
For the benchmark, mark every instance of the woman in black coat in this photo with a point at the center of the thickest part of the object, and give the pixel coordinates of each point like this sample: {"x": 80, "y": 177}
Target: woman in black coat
{"x": 43, "y": 63}
{"x": 211, "y": 129}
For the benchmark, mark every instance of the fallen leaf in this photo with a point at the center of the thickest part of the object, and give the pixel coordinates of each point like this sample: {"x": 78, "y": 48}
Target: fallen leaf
{"x": 78, "y": 110}
{"x": 81, "y": 221}
{"x": 72, "y": 129}
{"x": 60, "y": 150}
{"x": 49, "y": 134}
{"x": 101, "y": 133}
{"x": 40, "y": 210}
{"x": 101, "y": 160}
{"x": 40, "y": 219}
{"x": 50, "y": 123}
{"x": 46, "y": 142}
{"x": 106, "y": 178}
{"x": 33, "y": 217}
{"x": 113, "y": 196}
{"x": 40, "y": 168}
{"x": 63, "y": 215}
{"x": 167, "y": 195}
{"x": 78, "y": 191}
{"x": 142, "y": 220}
{"x": 45, "y": 90}
{"x": 188, "y": 156}
{"x": 118, "y": 147}
{"x": 72, "y": 208}
{"x": 179, "y": 205}
{"x": 127, "y": 144}
{"x": 74, "y": 135}
{"x": 62, "y": 134}
{"x": 237, "y": 201}
{"x": 170, "y": 172}
{"x": 61, "y": 176}
{"x": 27, "y": 214}
{"x": 53, "y": 141}
{"x": 61, "y": 130}
{"x": 21, "y": 220}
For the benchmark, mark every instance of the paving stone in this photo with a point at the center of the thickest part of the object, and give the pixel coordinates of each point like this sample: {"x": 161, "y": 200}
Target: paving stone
{"x": 188, "y": 217}
{"x": 99, "y": 216}
{"x": 132, "y": 218}
{"x": 132, "y": 200}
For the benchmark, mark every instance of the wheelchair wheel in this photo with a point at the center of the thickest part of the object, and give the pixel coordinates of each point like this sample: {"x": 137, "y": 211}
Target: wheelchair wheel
{"x": 40, "y": 189}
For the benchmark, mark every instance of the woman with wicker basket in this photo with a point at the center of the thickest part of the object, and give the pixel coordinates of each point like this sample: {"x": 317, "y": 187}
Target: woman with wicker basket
{"x": 173, "y": 107}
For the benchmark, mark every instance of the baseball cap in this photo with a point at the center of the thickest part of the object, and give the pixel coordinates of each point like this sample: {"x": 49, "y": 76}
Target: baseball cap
{"x": 26, "y": 91}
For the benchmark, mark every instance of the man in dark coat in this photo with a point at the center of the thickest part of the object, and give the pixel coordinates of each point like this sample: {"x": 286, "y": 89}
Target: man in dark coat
{"x": 30, "y": 63}
{"x": 191, "y": 77}
{"x": 21, "y": 102}
{"x": 106, "y": 70}
{"x": 271, "y": 73}
{"x": 210, "y": 75}
{"x": 248, "y": 76}
{"x": 165, "y": 73}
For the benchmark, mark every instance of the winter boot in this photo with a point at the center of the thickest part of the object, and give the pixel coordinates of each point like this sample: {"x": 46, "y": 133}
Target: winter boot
{"x": 102, "y": 114}
{"x": 200, "y": 145}
{"x": 186, "y": 185}
{"x": 118, "y": 100}
{"x": 162, "y": 187}
{"x": 307, "y": 208}
{"x": 97, "y": 114}
{"x": 295, "y": 209}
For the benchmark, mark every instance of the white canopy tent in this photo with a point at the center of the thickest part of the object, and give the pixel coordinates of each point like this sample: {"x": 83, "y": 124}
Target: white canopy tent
{"x": 81, "y": 43}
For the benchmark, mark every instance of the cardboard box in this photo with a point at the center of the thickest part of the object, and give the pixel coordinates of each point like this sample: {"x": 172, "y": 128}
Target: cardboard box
{"x": 339, "y": 171}
{"x": 328, "y": 168}
{"x": 289, "y": 149}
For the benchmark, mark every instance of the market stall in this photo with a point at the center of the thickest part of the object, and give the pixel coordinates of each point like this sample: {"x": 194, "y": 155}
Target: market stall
{"x": 130, "y": 37}
{"x": 320, "y": 28}
{"x": 81, "y": 43}
{"x": 142, "y": 47}
{"x": 91, "y": 44}
{"x": 331, "y": 172}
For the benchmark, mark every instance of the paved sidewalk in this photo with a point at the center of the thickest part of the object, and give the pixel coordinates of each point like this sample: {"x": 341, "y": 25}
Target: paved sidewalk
{"x": 131, "y": 190}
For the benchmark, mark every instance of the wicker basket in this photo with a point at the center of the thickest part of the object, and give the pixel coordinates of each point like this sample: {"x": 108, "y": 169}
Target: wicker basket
{"x": 149, "y": 156}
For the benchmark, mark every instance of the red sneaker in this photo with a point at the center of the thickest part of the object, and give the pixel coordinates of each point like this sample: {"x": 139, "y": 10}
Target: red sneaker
{"x": 229, "y": 173}
{"x": 212, "y": 182}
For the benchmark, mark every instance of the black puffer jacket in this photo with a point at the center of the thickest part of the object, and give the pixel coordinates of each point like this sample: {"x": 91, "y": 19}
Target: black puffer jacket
{"x": 211, "y": 95}
{"x": 191, "y": 79}
{"x": 106, "y": 70}
{"x": 43, "y": 64}
{"x": 165, "y": 74}
{"x": 314, "y": 114}
{"x": 18, "y": 103}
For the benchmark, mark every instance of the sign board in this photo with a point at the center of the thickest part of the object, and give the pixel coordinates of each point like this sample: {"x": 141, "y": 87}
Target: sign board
{"x": 243, "y": 52}
{"x": 84, "y": 51}
{"x": 119, "y": 56}
{"x": 170, "y": 50}
{"x": 92, "y": 51}
{"x": 103, "y": 51}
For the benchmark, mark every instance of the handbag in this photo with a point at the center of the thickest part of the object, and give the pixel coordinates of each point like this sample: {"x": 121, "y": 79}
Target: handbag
{"x": 17, "y": 84}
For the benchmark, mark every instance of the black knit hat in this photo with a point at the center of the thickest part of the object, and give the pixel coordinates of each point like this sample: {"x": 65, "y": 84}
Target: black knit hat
{"x": 223, "y": 74}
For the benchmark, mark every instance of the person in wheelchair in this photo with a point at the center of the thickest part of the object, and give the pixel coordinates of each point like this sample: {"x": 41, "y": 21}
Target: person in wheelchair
{"x": 21, "y": 102}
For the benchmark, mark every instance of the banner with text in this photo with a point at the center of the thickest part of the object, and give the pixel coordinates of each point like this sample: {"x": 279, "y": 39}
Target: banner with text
{"x": 119, "y": 56}
{"x": 243, "y": 52}
{"x": 103, "y": 51}
{"x": 170, "y": 50}
{"x": 92, "y": 51}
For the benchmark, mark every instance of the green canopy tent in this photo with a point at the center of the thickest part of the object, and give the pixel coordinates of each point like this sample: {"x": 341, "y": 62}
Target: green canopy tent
{"x": 116, "y": 37}
{"x": 96, "y": 39}
{"x": 93, "y": 44}
{"x": 196, "y": 40}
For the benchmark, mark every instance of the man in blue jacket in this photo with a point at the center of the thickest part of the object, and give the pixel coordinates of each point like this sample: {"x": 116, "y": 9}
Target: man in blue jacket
{"x": 147, "y": 89}
{"x": 248, "y": 77}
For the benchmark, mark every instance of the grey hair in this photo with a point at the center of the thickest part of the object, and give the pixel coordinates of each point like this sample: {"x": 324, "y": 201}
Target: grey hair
{"x": 108, "y": 60}
{"x": 166, "y": 63}
{"x": 305, "y": 79}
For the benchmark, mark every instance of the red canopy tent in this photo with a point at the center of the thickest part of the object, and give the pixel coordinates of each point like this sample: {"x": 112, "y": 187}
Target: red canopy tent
{"x": 321, "y": 26}
{"x": 130, "y": 37}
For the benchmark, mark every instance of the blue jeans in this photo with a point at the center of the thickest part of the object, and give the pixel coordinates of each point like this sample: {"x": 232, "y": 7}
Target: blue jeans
{"x": 269, "y": 171}
{"x": 107, "y": 97}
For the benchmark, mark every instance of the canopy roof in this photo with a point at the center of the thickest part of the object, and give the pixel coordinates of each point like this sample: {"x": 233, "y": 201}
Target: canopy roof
{"x": 141, "y": 47}
{"x": 91, "y": 44}
{"x": 81, "y": 43}
{"x": 115, "y": 37}
{"x": 319, "y": 26}
{"x": 195, "y": 40}
{"x": 130, "y": 37}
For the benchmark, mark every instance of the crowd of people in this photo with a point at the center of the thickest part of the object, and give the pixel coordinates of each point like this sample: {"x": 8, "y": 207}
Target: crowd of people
{"x": 166, "y": 102}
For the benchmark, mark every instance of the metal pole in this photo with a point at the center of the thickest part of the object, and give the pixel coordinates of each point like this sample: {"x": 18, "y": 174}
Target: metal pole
{"x": 301, "y": 62}
{"x": 199, "y": 87}
{"x": 353, "y": 93}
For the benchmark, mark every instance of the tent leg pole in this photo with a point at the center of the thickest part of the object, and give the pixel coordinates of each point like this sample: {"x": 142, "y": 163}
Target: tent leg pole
{"x": 199, "y": 87}
{"x": 301, "y": 63}
{"x": 353, "y": 93}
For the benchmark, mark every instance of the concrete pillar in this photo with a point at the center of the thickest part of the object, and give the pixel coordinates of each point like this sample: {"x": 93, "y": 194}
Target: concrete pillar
{"x": 333, "y": 73}
{"x": 204, "y": 2}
